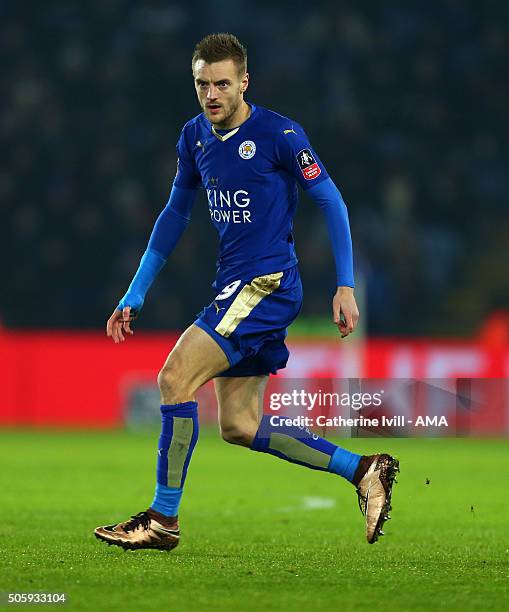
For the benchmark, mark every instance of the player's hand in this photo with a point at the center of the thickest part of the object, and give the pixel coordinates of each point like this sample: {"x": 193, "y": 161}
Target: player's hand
{"x": 344, "y": 311}
{"x": 120, "y": 323}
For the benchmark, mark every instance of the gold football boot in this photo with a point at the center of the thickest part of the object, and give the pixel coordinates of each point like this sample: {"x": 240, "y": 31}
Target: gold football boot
{"x": 374, "y": 493}
{"x": 142, "y": 530}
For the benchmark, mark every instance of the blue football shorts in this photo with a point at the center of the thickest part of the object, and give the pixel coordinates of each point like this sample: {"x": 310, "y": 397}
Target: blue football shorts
{"x": 249, "y": 320}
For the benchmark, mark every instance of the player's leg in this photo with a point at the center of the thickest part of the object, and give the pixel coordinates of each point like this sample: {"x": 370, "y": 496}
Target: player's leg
{"x": 240, "y": 407}
{"x": 195, "y": 359}
{"x": 241, "y": 419}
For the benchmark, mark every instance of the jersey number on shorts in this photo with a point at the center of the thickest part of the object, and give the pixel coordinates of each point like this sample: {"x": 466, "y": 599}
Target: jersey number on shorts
{"x": 228, "y": 290}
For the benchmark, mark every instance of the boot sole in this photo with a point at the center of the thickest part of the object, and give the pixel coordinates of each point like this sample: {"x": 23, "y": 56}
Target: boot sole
{"x": 391, "y": 470}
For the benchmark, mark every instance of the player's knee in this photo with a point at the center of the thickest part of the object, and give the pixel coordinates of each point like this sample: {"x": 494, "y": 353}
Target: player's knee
{"x": 172, "y": 384}
{"x": 165, "y": 381}
{"x": 240, "y": 434}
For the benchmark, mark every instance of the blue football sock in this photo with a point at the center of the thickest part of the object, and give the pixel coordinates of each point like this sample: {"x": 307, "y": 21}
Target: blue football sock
{"x": 299, "y": 445}
{"x": 178, "y": 438}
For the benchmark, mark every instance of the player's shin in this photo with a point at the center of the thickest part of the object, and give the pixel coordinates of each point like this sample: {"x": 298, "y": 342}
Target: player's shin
{"x": 178, "y": 438}
{"x": 300, "y": 445}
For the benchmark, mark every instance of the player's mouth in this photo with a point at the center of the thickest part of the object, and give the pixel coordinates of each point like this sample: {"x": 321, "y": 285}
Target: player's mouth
{"x": 214, "y": 108}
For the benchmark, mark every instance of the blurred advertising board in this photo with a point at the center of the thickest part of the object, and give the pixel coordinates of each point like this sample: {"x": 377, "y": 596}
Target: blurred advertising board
{"x": 79, "y": 379}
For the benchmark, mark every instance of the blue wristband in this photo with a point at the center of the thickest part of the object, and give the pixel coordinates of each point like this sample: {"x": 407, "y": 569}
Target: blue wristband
{"x": 150, "y": 265}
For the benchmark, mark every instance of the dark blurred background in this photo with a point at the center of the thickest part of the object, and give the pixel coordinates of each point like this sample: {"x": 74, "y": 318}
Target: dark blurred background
{"x": 405, "y": 102}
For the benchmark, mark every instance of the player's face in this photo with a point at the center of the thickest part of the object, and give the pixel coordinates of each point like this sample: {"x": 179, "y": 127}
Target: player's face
{"x": 220, "y": 89}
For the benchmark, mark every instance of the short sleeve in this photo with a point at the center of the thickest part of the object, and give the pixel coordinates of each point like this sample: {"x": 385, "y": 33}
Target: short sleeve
{"x": 187, "y": 176}
{"x": 296, "y": 155}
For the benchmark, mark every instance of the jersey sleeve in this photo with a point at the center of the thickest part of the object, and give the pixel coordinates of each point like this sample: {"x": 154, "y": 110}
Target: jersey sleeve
{"x": 329, "y": 199}
{"x": 187, "y": 176}
{"x": 296, "y": 155}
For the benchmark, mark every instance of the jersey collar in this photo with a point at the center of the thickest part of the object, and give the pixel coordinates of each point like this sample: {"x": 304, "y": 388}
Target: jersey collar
{"x": 223, "y": 137}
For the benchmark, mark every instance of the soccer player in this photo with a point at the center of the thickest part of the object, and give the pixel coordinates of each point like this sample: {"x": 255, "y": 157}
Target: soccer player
{"x": 249, "y": 160}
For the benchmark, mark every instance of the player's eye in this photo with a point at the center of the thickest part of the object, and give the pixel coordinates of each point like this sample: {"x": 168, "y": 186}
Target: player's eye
{"x": 223, "y": 84}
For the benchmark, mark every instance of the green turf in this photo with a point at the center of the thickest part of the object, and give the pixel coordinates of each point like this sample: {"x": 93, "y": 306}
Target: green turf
{"x": 258, "y": 534}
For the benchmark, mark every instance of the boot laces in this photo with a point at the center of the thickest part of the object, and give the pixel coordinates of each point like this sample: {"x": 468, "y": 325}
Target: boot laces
{"x": 142, "y": 518}
{"x": 362, "y": 501}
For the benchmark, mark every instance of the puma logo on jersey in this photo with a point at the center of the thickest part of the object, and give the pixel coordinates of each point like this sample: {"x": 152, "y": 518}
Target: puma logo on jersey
{"x": 292, "y": 131}
{"x": 200, "y": 145}
{"x": 217, "y": 308}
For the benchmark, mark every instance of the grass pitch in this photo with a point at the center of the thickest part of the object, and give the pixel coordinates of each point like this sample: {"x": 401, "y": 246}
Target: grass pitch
{"x": 258, "y": 533}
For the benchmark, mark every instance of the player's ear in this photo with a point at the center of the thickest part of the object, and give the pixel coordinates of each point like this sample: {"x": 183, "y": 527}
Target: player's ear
{"x": 244, "y": 83}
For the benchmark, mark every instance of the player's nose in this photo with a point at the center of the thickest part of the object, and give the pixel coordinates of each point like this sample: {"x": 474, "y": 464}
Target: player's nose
{"x": 212, "y": 92}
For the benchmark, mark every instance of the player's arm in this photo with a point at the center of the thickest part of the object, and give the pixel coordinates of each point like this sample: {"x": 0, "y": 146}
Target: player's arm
{"x": 344, "y": 307}
{"x": 295, "y": 154}
{"x": 168, "y": 229}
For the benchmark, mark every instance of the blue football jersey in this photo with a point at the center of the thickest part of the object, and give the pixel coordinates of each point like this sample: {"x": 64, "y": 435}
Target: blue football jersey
{"x": 250, "y": 176}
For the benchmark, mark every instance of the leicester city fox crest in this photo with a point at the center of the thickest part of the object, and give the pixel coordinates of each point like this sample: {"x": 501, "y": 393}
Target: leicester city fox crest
{"x": 247, "y": 149}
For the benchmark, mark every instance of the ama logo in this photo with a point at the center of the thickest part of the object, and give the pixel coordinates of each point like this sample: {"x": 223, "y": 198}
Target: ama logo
{"x": 307, "y": 164}
{"x": 431, "y": 421}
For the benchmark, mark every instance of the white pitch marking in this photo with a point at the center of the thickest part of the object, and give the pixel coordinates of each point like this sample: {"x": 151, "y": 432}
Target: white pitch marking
{"x": 310, "y": 503}
{"x": 317, "y": 503}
